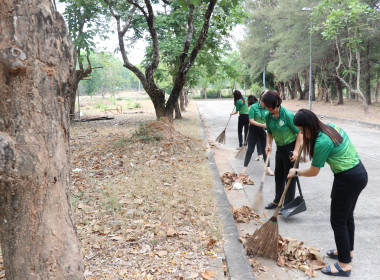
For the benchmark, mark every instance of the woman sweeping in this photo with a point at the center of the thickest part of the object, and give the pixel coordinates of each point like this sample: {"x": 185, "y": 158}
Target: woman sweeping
{"x": 329, "y": 143}
{"x": 257, "y": 135}
{"x": 281, "y": 128}
{"x": 243, "y": 110}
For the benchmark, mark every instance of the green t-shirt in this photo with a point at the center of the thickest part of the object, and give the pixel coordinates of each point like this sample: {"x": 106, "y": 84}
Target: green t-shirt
{"x": 258, "y": 113}
{"x": 282, "y": 129}
{"x": 340, "y": 157}
{"x": 241, "y": 107}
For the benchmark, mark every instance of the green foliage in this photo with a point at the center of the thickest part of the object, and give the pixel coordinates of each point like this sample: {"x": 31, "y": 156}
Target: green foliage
{"x": 256, "y": 89}
{"x": 101, "y": 106}
{"x": 344, "y": 20}
{"x": 148, "y": 134}
{"x": 112, "y": 77}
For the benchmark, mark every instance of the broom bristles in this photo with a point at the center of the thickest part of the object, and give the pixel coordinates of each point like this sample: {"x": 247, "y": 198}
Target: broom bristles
{"x": 264, "y": 241}
{"x": 221, "y": 138}
{"x": 241, "y": 153}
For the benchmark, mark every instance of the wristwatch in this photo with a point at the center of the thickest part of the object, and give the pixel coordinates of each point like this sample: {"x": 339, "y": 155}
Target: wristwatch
{"x": 297, "y": 172}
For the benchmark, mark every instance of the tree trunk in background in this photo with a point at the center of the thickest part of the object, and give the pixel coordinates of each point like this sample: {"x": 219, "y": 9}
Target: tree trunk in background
{"x": 313, "y": 89}
{"x": 281, "y": 88}
{"x": 367, "y": 74}
{"x": 182, "y": 100}
{"x": 377, "y": 87}
{"x": 186, "y": 97}
{"x": 338, "y": 86}
{"x": 292, "y": 89}
{"x": 298, "y": 87}
{"x": 177, "y": 111}
{"x": 38, "y": 238}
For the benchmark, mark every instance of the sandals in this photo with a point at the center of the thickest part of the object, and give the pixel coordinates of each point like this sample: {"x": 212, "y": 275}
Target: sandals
{"x": 330, "y": 253}
{"x": 340, "y": 271}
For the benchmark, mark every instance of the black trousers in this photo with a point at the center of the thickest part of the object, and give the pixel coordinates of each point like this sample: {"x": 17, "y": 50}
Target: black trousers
{"x": 346, "y": 188}
{"x": 242, "y": 123}
{"x": 282, "y": 167}
{"x": 257, "y": 135}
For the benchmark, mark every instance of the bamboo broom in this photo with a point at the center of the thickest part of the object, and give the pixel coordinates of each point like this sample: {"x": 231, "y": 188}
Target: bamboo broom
{"x": 264, "y": 241}
{"x": 222, "y": 136}
{"x": 258, "y": 199}
{"x": 243, "y": 150}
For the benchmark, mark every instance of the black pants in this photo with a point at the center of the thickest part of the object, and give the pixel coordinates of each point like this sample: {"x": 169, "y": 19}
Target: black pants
{"x": 345, "y": 192}
{"x": 243, "y": 122}
{"x": 257, "y": 135}
{"x": 283, "y": 165}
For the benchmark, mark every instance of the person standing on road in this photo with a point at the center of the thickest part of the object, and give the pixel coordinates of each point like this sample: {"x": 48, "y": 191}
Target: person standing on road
{"x": 257, "y": 135}
{"x": 243, "y": 110}
{"x": 329, "y": 143}
{"x": 281, "y": 128}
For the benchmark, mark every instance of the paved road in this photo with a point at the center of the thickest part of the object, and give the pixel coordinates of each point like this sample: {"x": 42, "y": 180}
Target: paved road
{"x": 313, "y": 226}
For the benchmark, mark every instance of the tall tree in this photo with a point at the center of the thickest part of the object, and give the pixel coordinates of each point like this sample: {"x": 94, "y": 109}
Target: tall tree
{"x": 190, "y": 44}
{"x": 38, "y": 238}
{"x": 345, "y": 22}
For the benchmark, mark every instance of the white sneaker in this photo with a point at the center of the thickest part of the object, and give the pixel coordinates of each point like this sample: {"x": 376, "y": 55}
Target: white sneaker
{"x": 259, "y": 157}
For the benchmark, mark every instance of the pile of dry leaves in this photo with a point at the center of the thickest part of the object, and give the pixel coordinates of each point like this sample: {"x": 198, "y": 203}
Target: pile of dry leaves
{"x": 143, "y": 201}
{"x": 245, "y": 214}
{"x": 294, "y": 254}
{"x": 229, "y": 178}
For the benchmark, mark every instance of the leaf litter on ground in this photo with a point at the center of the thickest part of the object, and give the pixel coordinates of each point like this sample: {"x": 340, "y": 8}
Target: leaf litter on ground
{"x": 143, "y": 200}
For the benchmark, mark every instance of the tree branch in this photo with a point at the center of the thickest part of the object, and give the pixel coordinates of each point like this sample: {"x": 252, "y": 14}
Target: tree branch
{"x": 189, "y": 37}
{"x": 121, "y": 34}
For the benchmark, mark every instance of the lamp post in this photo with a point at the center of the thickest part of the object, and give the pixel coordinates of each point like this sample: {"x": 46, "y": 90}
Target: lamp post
{"x": 264, "y": 78}
{"x": 306, "y": 9}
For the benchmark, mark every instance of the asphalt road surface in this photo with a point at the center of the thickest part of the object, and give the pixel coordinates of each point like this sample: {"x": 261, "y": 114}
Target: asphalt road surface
{"x": 313, "y": 226}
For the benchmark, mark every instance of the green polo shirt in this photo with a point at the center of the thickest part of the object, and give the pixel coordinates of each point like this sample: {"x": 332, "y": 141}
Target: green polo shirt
{"x": 282, "y": 129}
{"x": 258, "y": 113}
{"x": 340, "y": 157}
{"x": 241, "y": 107}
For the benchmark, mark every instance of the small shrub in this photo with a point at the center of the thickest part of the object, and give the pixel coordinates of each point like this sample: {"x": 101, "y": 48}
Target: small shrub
{"x": 148, "y": 134}
{"x": 101, "y": 106}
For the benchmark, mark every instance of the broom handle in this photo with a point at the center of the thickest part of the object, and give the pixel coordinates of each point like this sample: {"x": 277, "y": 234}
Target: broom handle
{"x": 229, "y": 118}
{"x": 246, "y": 138}
{"x": 287, "y": 184}
{"x": 265, "y": 171}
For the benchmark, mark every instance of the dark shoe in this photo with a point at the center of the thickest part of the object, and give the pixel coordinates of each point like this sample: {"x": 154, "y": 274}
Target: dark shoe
{"x": 340, "y": 271}
{"x": 330, "y": 253}
{"x": 271, "y": 206}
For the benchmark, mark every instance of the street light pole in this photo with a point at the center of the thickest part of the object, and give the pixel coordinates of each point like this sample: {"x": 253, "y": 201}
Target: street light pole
{"x": 311, "y": 63}
{"x": 264, "y": 78}
{"x": 311, "y": 58}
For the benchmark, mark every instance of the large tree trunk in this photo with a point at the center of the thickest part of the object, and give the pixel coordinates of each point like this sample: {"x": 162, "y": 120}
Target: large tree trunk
{"x": 38, "y": 238}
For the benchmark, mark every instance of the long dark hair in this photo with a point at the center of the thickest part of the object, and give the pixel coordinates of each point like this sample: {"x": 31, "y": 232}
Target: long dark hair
{"x": 310, "y": 123}
{"x": 252, "y": 100}
{"x": 271, "y": 99}
{"x": 237, "y": 96}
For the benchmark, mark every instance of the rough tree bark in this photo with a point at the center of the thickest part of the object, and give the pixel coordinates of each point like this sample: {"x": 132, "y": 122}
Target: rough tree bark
{"x": 37, "y": 233}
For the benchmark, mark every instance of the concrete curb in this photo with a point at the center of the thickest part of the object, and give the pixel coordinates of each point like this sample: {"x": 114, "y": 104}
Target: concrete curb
{"x": 238, "y": 265}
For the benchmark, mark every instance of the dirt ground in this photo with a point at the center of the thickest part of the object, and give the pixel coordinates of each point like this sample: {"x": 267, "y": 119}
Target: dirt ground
{"x": 143, "y": 200}
{"x": 351, "y": 109}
